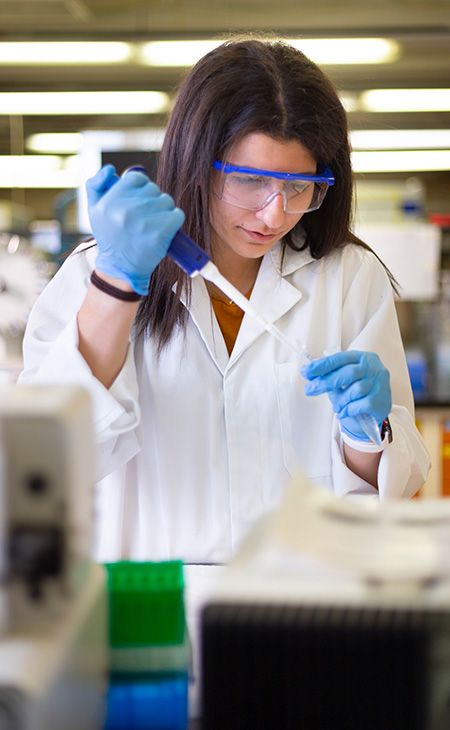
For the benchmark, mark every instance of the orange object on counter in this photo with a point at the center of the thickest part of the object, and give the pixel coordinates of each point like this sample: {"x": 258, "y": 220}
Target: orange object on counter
{"x": 446, "y": 458}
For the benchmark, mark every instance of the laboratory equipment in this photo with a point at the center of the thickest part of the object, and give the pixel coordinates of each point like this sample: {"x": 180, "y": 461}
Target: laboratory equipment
{"x": 53, "y": 676}
{"x": 23, "y": 274}
{"x": 46, "y": 481}
{"x": 156, "y": 702}
{"x": 335, "y": 613}
{"x": 149, "y": 652}
{"x": 53, "y": 608}
{"x": 147, "y": 626}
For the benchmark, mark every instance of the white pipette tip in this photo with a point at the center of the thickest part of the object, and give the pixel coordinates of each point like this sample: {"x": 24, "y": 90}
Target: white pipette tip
{"x": 370, "y": 427}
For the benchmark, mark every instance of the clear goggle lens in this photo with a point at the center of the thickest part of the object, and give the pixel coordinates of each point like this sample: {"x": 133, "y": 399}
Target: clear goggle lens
{"x": 254, "y": 191}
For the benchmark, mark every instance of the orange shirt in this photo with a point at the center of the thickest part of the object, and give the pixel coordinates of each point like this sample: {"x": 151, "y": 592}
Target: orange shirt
{"x": 229, "y": 317}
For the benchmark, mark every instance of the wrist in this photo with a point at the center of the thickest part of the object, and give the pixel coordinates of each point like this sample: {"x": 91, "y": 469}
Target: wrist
{"x": 124, "y": 295}
{"x": 364, "y": 445}
{"x": 128, "y": 282}
{"x": 114, "y": 281}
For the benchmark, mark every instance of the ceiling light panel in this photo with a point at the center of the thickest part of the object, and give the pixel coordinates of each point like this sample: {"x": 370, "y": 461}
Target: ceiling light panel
{"x": 38, "y": 171}
{"x": 333, "y": 51}
{"x": 373, "y": 161}
{"x": 400, "y": 139}
{"x": 83, "y": 102}
{"x": 175, "y": 53}
{"x": 63, "y": 143}
{"x": 345, "y": 51}
{"x": 72, "y": 52}
{"x": 405, "y": 100}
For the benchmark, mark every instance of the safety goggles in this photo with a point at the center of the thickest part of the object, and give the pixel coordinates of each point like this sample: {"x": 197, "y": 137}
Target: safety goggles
{"x": 253, "y": 189}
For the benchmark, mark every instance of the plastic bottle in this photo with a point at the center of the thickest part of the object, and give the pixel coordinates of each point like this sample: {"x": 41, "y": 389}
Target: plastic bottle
{"x": 413, "y": 203}
{"x": 442, "y": 344}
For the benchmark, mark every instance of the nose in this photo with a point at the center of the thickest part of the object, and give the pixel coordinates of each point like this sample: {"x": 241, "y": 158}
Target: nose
{"x": 273, "y": 213}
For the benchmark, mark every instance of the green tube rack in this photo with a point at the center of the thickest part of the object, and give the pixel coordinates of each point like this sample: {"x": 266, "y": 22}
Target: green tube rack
{"x": 146, "y": 604}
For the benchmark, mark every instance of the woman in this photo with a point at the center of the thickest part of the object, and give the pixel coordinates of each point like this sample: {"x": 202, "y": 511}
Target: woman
{"x": 201, "y": 417}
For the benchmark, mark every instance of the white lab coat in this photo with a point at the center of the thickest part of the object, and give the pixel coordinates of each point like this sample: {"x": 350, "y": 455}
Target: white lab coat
{"x": 194, "y": 447}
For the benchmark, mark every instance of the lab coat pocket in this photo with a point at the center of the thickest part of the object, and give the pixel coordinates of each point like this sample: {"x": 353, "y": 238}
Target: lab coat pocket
{"x": 305, "y": 424}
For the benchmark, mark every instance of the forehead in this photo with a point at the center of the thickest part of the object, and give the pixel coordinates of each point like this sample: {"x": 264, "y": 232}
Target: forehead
{"x": 261, "y": 150}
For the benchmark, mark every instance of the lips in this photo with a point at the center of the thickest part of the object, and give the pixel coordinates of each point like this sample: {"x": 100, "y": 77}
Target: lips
{"x": 260, "y": 237}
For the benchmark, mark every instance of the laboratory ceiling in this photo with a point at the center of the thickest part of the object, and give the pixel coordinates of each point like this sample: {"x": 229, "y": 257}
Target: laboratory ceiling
{"x": 422, "y": 28}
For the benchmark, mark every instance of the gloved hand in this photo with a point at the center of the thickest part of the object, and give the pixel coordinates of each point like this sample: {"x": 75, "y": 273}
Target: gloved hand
{"x": 356, "y": 382}
{"x": 133, "y": 224}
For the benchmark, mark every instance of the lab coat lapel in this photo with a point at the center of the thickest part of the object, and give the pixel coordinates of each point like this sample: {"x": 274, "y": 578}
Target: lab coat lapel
{"x": 202, "y": 314}
{"x": 272, "y": 295}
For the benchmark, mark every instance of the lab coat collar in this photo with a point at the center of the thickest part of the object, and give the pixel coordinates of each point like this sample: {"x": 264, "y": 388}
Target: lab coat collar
{"x": 272, "y": 296}
{"x": 285, "y": 259}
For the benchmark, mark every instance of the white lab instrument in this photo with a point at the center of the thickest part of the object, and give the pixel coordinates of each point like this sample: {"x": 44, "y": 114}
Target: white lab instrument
{"x": 53, "y": 676}
{"x": 23, "y": 274}
{"x": 53, "y": 607}
{"x": 46, "y": 484}
{"x": 343, "y": 606}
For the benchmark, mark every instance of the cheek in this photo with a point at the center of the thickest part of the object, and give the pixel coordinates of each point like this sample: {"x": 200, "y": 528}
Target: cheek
{"x": 214, "y": 214}
{"x": 220, "y": 215}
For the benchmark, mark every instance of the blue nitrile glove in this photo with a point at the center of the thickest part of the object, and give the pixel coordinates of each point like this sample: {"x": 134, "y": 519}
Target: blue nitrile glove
{"x": 133, "y": 224}
{"x": 356, "y": 382}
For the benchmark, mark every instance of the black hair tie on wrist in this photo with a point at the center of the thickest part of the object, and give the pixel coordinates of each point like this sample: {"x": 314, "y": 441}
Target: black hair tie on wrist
{"x": 113, "y": 291}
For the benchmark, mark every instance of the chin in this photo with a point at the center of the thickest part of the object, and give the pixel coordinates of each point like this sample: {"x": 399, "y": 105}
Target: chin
{"x": 255, "y": 250}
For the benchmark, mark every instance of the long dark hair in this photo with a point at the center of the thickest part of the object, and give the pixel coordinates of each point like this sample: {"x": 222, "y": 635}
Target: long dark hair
{"x": 246, "y": 86}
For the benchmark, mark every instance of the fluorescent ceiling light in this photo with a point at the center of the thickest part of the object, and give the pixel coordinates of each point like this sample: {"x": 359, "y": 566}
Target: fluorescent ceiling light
{"x": 68, "y": 143}
{"x": 63, "y": 143}
{"x": 344, "y": 51}
{"x": 38, "y": 171}
{"x": 83, "y": 102}
{"x": 175, "y": 53}
{"x": 333, "y": 51}
{"x": 115, "y": 140}
{"x": 401, "y": 160}
{"x": 405, "y": 100}
{"x": 71, "y": 52}
{"x": 398, "y": 139}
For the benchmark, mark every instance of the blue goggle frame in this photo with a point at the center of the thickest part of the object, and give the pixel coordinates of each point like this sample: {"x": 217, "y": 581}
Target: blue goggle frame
{"x": 324, "y": 176}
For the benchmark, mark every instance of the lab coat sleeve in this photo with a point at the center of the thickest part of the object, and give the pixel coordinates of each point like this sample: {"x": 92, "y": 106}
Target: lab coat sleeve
{"x": 51, "y": 355}
{"x": 369, "y": 322}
